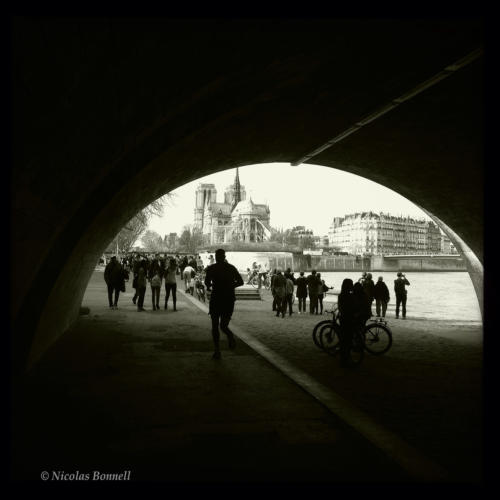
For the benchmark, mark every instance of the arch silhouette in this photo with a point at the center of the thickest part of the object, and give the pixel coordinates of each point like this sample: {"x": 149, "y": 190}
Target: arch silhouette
{"x": 108, "y": 116}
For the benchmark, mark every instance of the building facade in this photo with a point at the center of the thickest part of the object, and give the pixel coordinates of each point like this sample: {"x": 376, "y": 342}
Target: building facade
{"x": 384, "y": 234}
{"x": 236, "y": 219}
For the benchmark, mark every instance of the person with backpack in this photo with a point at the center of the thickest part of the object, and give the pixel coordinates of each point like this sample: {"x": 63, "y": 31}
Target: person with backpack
{"x": 401, "y": 293}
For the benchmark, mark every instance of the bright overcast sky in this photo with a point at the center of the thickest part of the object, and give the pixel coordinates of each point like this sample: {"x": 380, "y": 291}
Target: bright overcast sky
{"x": 309, "y": 195}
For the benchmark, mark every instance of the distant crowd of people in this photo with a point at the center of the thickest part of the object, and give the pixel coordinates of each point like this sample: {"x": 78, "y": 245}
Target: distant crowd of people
{"x": 355, "y": 300}
{"x": 153, "y": 269}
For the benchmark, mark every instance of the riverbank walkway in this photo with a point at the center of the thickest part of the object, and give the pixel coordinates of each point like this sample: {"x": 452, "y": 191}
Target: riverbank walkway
{"x": 139, "y": 392}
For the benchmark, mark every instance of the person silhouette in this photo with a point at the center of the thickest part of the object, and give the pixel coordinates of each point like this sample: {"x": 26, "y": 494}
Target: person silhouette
{"x": 221, "y": 279}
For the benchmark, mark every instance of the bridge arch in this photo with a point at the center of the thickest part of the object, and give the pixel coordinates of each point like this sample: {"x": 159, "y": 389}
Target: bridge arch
{"x": 108, "y": 117}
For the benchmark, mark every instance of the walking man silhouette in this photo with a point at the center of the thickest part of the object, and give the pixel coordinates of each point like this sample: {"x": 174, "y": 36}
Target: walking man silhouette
{"x": 221, "y": 279}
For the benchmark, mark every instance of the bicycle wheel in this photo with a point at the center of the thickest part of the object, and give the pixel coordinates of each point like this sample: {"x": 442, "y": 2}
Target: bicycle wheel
{"x": 329, "y": 338}
{"x": 316, "y": 331}
{"x": 357, "y": 351}
{"x": 378, "y": 339}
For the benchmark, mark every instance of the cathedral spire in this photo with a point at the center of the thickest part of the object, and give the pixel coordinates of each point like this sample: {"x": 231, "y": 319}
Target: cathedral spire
{"x": 237, "y": 189}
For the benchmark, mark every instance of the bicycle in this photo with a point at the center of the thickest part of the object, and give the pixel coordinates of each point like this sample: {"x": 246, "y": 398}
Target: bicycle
{"x": 378, "y": 337}
{"x": 325, "y": 322}
{"x": 375, "y": 337}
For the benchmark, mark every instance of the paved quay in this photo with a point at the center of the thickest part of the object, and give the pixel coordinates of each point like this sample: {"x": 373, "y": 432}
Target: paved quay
{"x": 124, "y": 390}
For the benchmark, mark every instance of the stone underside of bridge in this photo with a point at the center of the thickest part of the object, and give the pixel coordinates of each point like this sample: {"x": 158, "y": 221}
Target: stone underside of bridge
{"x": 110, "y": 114}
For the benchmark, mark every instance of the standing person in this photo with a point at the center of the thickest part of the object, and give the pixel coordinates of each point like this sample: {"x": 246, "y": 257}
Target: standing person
{"x": 289, "y": 294}
{"x": 289, "y": 275}
{"x": 222, "y": 278}
{"x": 199, "y": 263}
{"x": 115, "y": 281}
{"x": 312, "y": 289}
{"x": 382, "y": 297}
{"x": 401, "y": 294}
{"x": 347, "y": 319}
{"x": 363, "y": 277}
{"x": 368, "y": 287}
{"x": 171, "y": 283}
{"x": 141, "y": 285}
{"x": 302, "y": 292}
{"x": 363, "y": 306}
{"x": 211, "y": 260}
{"x": 135, "y": 270}
{"x": 279, "y": 292}
{"x": 183, "y": 264}
{"x": 320, "y": 294}
{"x": 322, "y": 289}
{"x": 273, "y": 275}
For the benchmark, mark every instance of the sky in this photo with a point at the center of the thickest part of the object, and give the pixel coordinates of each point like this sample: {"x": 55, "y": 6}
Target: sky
{"x": 308, "y": 195}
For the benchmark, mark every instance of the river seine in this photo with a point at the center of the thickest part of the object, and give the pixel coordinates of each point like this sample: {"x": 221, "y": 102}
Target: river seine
{"x": 436, "y": 295}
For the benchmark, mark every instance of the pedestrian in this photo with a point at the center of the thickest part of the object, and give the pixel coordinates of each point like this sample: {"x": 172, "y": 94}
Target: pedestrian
{"x": 171, "y": 283}
{"x": 199, "y": 263}
{"x": 141, "y": 285}
{"x": 363, "y": 307}
{"x": 382, "y": 297}
{"x": 363, "y": 277}
{"x": 288, "y": 274}
{"x": 368, "y": 287}
{"x": 279, "y": 292}
{"x": 155, "y": 281}
{"x": 188, "y": 275}
{"x": 321, "y": 293}
{"x": 273, "y": 275}
{"x": 347, "y": 320}
{"x": 114, "y": 276}
{"x": 289, "y": 294}
{"x": 183, "y": 264}
{"x": 222, "y": 278}
{"x": 401, "y": 293}
{"x": 312, "y": 290}
{"x": 211, "y": 260}
{"x": 302, "y": 292}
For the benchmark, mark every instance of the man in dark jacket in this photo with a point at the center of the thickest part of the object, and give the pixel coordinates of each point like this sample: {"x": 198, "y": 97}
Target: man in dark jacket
{"x": 312, "y": 288}
{"x": 382, "y": 297}
{"x": 368, "y": 288}
{"x": 221, "y": 279}
{"x": 115, "y": 281}
{"x": 400, "y": 290}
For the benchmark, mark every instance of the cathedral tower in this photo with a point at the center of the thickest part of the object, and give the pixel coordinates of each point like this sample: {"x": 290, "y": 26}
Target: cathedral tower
{"x": 205, "y": 194}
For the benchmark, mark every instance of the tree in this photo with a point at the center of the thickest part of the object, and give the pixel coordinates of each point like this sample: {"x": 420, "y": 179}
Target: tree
{"x": 152, "y": 241}
{"x": 191, "y": 239}
{"x": 136, "y": 226}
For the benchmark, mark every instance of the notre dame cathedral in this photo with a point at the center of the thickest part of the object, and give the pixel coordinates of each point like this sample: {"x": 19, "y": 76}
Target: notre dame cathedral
{"x": 236, "y": 219}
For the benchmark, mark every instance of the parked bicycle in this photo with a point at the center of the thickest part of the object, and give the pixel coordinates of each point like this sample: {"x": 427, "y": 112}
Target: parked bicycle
{"x": 326, "y": 322}
{"x": 375, "y": 337}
